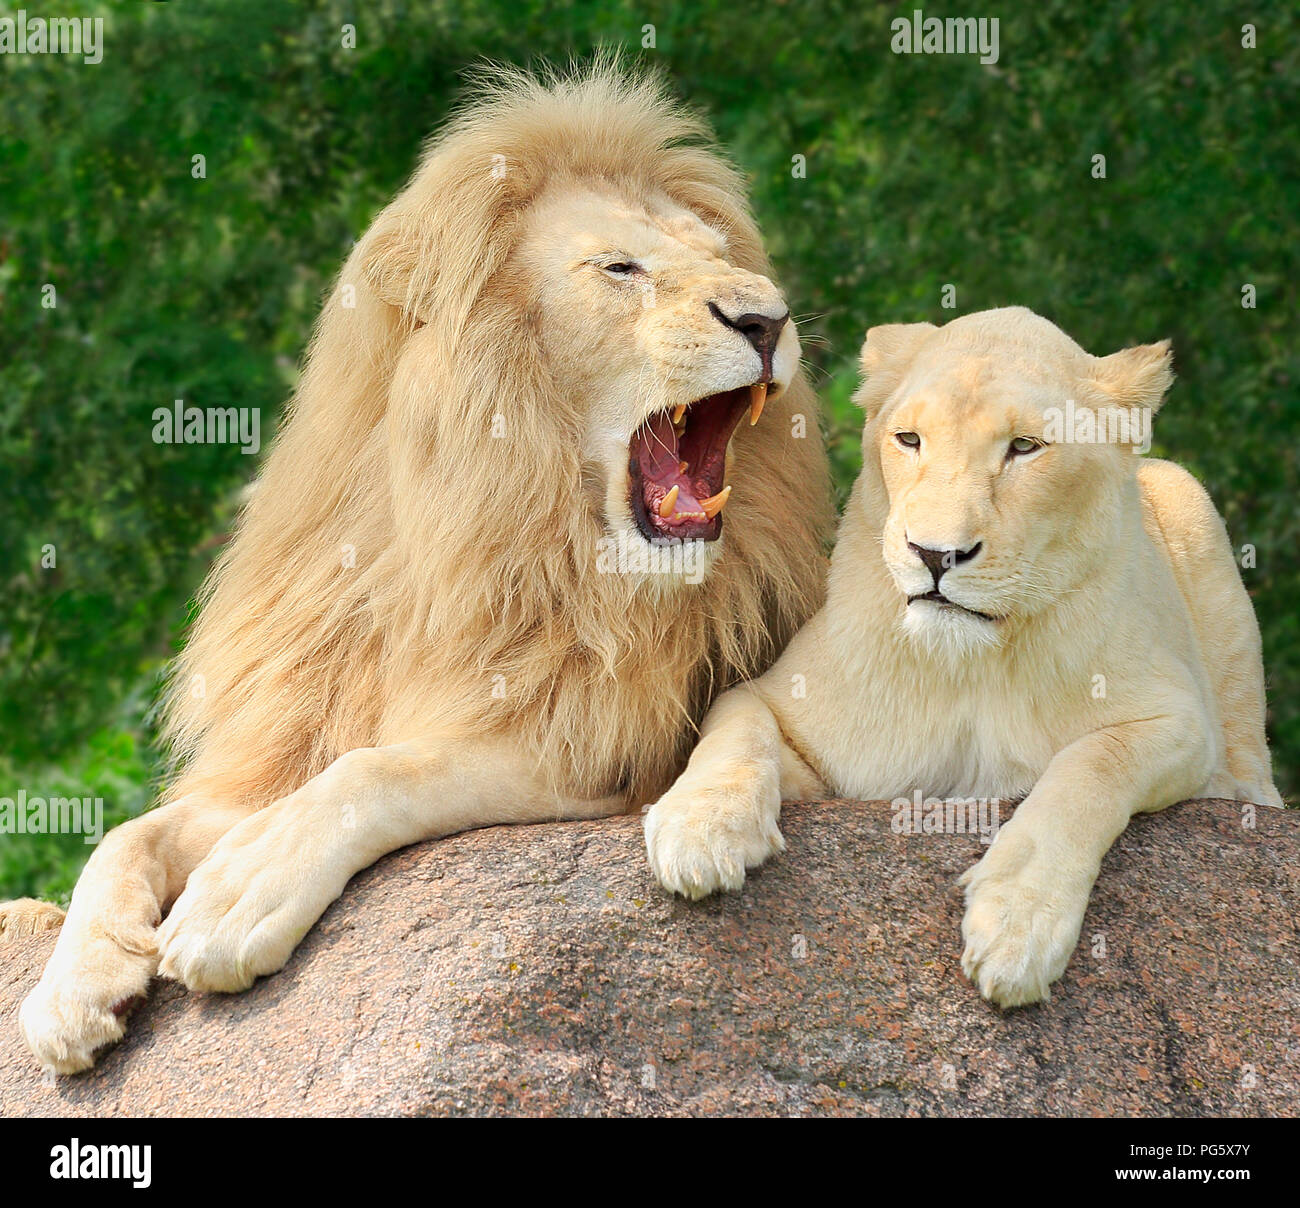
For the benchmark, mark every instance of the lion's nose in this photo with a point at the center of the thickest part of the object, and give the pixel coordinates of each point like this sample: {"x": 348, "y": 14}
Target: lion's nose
{"x": 937, "y": 561}
{"x": 762, "y": 331}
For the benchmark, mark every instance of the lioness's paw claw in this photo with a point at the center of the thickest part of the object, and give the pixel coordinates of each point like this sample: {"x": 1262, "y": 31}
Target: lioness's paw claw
{"x": 699, "y": 847}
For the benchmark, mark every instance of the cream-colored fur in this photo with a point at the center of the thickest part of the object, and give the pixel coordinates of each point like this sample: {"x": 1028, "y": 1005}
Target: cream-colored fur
{"x": 412, "y": 632}
{"x": 1122, "y": 672}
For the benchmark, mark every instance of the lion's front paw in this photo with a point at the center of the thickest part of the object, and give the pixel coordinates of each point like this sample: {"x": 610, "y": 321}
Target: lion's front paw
{"x": 80, "y": 1003}
{"x": 242, "y": 913}
{"x": 700, "y": 842}
{"x": 27, "y": 916}
{"x": 64, "y": 1030}
{"x": 1020, "y": 927}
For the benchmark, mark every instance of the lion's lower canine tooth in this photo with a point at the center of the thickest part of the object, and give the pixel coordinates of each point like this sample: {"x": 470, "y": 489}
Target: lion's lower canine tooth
{"x": 757, "y": 397}
{"x": 667, "y": 503}
{"x": 678, "y": 412}
{"x": 715, "y": 503}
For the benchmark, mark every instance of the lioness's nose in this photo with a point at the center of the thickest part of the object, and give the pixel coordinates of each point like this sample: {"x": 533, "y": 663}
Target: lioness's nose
{"x": 762, "y": 331}
{"x": 938, "y": 561}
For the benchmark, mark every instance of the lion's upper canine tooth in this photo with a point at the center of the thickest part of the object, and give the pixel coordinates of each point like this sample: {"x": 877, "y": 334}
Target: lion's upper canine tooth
{"x": 678, "y": 412}
{"x": 715, "y": 503}
{"x": 667, "y": 503}
{"x": 757, "y": 397}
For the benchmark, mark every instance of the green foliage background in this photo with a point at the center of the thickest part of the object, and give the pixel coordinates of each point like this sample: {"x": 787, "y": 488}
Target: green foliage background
{"x": 922, "y": 171}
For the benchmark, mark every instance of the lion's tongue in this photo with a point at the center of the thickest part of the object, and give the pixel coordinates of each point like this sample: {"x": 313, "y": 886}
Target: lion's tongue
{"x": 660, "y": 462}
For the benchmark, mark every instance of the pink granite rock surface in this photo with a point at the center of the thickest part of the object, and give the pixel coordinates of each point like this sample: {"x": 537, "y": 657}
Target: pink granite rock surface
{"x": 539, "y": 970}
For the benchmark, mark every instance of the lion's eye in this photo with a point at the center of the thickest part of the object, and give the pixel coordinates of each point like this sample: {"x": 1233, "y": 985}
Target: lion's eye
{"x": 622, "y": 268}
{"x": 1022, "y": 445}
{"x": 909, "y": 440}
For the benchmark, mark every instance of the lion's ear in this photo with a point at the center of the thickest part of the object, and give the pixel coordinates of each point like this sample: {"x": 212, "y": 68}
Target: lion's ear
{"x": 886, "y": 353}
{"x": 1135, "y": 377}
{"x": 395, "y": 267}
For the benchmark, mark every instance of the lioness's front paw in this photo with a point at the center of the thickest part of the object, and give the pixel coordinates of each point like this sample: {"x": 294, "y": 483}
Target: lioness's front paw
{"x": 242, "y": 913}
{"x": 27, "y": 916}
{"x": 1020, "y": 927}
{"x": 703, "y": 841}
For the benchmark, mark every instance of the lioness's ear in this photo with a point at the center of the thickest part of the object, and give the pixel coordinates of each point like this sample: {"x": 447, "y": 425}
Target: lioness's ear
{"x": 1135, "y": 377}
{"x": 886, "y": 354}
{"x": 892, "y": 343}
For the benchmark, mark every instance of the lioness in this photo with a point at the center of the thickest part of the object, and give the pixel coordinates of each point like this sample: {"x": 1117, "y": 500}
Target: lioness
{"x": 1012, "y": 610}
{"x": 484, "y": 578}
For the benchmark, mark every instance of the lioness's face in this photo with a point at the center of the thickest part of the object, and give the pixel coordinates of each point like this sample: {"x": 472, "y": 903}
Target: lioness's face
{"x": 987, "y": 518}
{"x": 673, "y": 349}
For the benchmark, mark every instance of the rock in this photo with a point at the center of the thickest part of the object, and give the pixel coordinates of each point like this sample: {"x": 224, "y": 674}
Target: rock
{"x": 538, "y": 970}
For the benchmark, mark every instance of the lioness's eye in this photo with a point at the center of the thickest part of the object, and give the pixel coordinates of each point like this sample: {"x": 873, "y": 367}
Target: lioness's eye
{"x": 1022, "y": 445}
{"x": 622, "y": 268}
{"x": 909, "y": 440}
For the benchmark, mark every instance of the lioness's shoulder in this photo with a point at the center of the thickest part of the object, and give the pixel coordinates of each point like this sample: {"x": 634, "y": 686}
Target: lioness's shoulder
{"x": 1167, "y": 484}
{"x": 1179, "y": 507}
{"x": 1175, "y": 494}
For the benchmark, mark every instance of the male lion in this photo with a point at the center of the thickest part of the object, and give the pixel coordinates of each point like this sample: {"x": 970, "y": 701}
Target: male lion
{"x": 1010, "y": 614}
{"x": 542, "y": 365}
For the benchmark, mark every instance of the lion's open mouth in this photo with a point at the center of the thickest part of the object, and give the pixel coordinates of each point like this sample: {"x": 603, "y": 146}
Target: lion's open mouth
{"x": 678, "y": 460}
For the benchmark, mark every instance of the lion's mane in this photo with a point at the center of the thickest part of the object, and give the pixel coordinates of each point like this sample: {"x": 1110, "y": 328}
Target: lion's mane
{"x": 401, "y": 569}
